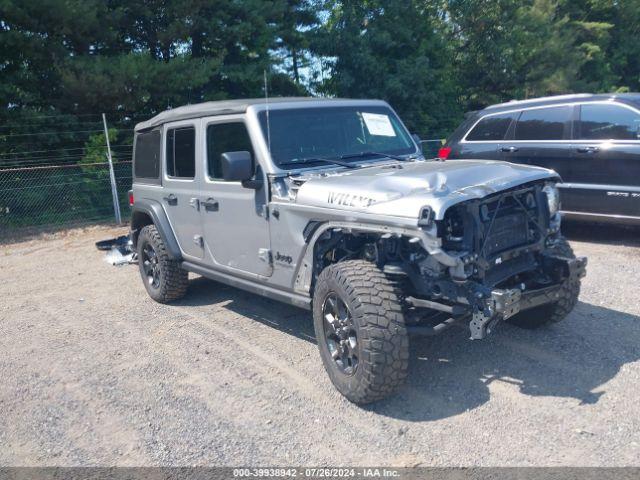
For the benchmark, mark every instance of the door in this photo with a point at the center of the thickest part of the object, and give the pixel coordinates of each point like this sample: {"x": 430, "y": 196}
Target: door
{"x": 180, "y": 186}
{"x": 541, "y": 137}
{"x": 606, "y": 159}
{"x": 234, "y": 220}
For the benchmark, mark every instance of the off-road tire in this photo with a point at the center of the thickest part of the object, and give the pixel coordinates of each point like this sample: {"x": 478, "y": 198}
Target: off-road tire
{"x": 557, "y": 311}
{"x": 377, "y": 313}
{"x": 173, "y": 280}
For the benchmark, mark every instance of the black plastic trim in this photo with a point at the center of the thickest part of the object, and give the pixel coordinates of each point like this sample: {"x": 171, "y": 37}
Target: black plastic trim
{"x": 291, "y": 298}
{"x": 157, "y": 214}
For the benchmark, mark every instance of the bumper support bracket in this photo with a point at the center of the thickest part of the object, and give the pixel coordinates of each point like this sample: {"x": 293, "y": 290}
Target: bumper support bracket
{"x": 502, "y": 304}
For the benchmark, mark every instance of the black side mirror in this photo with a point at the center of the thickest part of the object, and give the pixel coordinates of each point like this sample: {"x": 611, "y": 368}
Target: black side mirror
{"x": 416, "y": 138}
{"x": 236, "y": 166}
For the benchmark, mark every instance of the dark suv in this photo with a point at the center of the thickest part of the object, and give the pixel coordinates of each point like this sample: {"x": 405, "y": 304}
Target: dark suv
{"x": 592, "y": 141}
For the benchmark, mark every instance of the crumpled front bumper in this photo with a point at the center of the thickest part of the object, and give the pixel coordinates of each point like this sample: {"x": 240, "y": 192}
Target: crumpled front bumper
{"x": 504, "y": 303}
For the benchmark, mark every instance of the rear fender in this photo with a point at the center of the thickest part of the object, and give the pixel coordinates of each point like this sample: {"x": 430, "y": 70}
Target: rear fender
{"x": 145, "y": 212}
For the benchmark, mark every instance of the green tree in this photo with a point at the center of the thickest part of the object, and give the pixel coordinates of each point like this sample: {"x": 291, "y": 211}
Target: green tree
{"x": 300, "y": 24}
{"x": 431, "y": 60}
{"x": 607, "y": 32}
{"x": 393, "y": 51}
{"x": 136, "y": 56}
{"x": 506, "y": 49}
{"x": 624, "y": 47}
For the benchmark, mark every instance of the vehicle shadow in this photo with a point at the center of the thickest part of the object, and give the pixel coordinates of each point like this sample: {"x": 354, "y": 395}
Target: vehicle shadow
{"x": 608, "y": 234}
{"x": 285, "y": 318}
{"x": 449, "y": 374}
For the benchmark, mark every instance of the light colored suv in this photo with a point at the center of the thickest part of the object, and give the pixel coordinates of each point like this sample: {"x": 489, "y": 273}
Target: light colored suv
{"x": 329, "y": 205}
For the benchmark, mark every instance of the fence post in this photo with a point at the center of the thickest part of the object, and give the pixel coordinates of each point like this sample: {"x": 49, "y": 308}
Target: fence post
{"x": 112, "y": 175}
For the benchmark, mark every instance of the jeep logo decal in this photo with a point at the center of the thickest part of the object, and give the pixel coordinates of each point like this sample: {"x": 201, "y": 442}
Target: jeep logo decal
{"x": 349, "y": 200}
{"x": 283, "y": 258}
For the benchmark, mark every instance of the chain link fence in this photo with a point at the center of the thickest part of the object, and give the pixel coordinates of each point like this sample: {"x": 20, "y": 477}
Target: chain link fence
{"x": 60, "y": 195}
{"x": 55, "y": 175}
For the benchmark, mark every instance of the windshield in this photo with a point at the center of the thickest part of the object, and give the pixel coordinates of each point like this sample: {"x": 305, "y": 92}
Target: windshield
{"x": 333, "y": 132}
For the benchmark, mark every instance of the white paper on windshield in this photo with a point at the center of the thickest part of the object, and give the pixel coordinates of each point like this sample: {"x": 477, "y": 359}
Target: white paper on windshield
{"x": 378, "y": 124}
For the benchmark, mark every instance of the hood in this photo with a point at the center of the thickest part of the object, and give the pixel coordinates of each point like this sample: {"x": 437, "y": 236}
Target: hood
{"x": 402, "y": 189}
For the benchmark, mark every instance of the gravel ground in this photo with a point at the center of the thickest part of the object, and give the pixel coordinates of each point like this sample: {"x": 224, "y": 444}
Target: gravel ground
{"x": 95, "y": 373}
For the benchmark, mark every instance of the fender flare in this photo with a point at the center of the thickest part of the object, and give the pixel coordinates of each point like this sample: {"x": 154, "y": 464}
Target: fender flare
{"x": 154, "y": 210}
{"x": 427, "y": 238}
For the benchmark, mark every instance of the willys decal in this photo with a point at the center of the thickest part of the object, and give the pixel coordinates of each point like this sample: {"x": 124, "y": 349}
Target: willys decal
{"x": 349, "y": 200}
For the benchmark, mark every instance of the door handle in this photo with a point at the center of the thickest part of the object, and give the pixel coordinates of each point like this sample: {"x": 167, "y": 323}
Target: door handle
{"x": 210, "y": 205}
{"x": 171, "y": 199}
{"x": 588, "y": 149}
{"x": 509, "y": 149}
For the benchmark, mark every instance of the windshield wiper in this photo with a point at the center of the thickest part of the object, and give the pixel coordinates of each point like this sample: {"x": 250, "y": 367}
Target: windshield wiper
{"x": 305, "y": 160}
{"x": 371, "y": 154}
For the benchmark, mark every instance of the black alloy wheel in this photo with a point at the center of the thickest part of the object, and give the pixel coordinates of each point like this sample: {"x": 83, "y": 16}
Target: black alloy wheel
{"x": 151, "y": 266}
{"x": 340, "y": 334}
{"x": 359, "y": 325}
{"x": 163, "y": 278}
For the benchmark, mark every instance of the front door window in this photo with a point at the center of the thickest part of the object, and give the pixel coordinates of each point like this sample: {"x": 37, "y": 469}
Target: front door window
{"x": 225, "y": 137}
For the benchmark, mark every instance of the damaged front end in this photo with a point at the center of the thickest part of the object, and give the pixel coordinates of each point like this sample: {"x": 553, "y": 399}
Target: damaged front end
{"x": 502, "y": 303}
{"x": 506, "y": 260}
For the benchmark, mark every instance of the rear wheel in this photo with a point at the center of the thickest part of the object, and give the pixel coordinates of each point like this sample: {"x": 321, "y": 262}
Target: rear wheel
{"x": 360, "y": 330}
{"x": 162, "y": 276}
{"x": 557, "y": 311}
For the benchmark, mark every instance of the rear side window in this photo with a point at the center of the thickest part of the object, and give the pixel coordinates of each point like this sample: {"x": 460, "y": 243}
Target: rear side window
{"x": 146, "y": 158}
{"x": 181, "y": 152}
{"x": 225, "y": 137}
{"x": 543, "y": 123}
{"x": 608, "y": 122}
{"x": 491, "y": 128}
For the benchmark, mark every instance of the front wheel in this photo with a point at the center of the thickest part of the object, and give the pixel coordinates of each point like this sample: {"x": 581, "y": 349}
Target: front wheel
{"x": 359, "y": 325}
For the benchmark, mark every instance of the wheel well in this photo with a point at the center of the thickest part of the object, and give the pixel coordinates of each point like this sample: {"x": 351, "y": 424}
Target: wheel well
{"x": 139, "y": 220}
{"x": 390, "y": 252}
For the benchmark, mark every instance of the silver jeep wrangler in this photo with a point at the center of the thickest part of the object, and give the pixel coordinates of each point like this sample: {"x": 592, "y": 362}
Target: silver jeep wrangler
{"x": 330, "y": 205}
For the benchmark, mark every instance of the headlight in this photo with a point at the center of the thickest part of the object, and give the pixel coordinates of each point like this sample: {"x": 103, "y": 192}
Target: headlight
{"x": 553, "y": 198}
